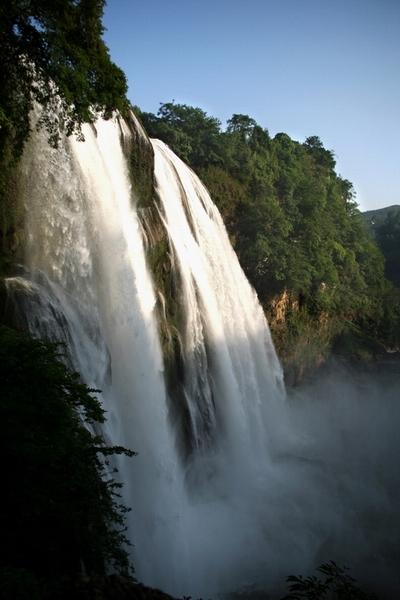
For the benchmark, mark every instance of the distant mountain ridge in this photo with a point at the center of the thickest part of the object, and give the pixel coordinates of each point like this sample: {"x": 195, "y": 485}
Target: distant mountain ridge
{"x": 370, "y": 216}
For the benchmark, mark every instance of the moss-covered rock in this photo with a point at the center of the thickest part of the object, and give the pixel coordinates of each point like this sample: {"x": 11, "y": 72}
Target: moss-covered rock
{"x": 12, "y": 213}
{"x": 303, "y": 342}
{"x": 140, "y": 155}
{"x": 169, "y": 307}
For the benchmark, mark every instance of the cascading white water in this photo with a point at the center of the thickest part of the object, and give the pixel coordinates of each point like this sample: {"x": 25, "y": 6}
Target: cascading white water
{"x": 259, "y": 495}
{"x": 86, "y": 246}
{"x": 233, "y": 379}
{"x": 86, "y": 258}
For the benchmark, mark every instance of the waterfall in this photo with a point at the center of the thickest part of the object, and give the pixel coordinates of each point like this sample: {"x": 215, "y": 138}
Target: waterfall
{"x": 255, "y": 491}
{"x": 89, "y": 286}
{"x": 232, "y": 377}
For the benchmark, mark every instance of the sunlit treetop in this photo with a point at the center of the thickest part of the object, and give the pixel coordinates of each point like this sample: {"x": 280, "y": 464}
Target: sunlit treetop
{"x": 52, "y": 53}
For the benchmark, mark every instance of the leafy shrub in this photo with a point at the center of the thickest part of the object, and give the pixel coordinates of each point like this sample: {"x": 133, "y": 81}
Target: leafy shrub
{"x": 60, "y": 505}
{"x": 338, "y": 585}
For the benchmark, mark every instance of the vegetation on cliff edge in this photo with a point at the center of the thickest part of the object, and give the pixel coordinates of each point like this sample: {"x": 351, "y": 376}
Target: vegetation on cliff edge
{"x": 51, "y": 54}
{"x": 294, "y": 224}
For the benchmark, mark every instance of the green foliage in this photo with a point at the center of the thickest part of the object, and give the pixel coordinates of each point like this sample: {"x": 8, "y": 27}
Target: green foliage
{"x": 53, "y": 53}
{"x": 337, "y": 585}
{"x": 387, "y": 236}
{"x": 322, "y": 157}
{"x": 192, "y": 134}
{"x": 292, "y": 219}
{"x": 60, "y": 505}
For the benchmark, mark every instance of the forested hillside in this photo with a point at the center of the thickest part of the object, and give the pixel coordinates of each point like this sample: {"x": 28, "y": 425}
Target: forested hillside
{"x": 385, "y": 227}
{"x": 296, "y": 228}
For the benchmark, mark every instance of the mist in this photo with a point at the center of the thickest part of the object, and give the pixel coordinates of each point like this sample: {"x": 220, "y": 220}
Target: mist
{"x": 334, "y": 481}
{"x": 325, "y": 488}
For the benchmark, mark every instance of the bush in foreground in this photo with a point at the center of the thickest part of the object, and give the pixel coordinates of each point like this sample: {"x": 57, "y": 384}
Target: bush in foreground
{"x": 61, "y": 511}
{"x": 337, "y": 585}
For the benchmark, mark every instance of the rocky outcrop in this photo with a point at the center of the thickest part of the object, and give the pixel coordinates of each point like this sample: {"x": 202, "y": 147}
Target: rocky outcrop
{"x": 303, "y": 342}
{"x": 140, "y": 155}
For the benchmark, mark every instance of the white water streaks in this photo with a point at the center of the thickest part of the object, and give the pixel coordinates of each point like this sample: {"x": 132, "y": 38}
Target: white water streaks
{"x": 272, "y": 487}
{"x": 85, "y": 237}
{"x": 231, "y": 364}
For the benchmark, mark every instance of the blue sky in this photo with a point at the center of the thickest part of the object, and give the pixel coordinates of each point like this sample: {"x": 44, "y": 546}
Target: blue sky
{"x": 303, "y": 67}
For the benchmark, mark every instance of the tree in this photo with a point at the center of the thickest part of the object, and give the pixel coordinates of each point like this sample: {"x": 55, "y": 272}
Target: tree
{"x": 387, "y": 236}
{"x": 51, "y": 52}
{"x": 190, "y": 132}
{"x": 241, "y": 123}
{"x": 325, "y": 158}
{"x": 337, "y": 585}
{"x": 60, "y": 505}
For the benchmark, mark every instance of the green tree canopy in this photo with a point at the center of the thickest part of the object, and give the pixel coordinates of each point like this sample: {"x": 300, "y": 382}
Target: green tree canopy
{"x": 292, "y": 219}
{"x": 387, "y": 235}
{"x": 51, "y": 52}
{"x": 192, "y": 134}
{"x": 241, "y": 123}
{"x": 323, "y": 157}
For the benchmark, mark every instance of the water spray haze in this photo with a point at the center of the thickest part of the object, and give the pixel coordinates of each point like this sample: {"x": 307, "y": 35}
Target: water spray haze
{"x": 345, "y": 427}
{"x": 269, "y": 484}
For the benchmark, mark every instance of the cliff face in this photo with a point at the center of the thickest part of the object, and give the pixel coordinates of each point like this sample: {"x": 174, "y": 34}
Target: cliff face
{"x": 140, "y": 155}
{"x": 303, "y": 343}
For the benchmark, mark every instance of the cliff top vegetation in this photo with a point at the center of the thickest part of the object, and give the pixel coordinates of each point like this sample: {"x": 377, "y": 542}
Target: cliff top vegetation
{"x": 52, "y": 53}
{"x": 293, "y": 221}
